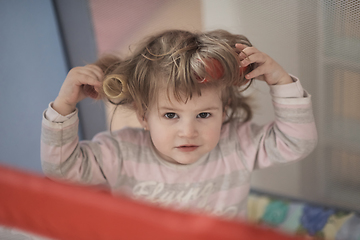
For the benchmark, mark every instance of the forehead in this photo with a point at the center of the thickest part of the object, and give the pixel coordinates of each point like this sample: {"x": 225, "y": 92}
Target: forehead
{"x": 210, "y": 98}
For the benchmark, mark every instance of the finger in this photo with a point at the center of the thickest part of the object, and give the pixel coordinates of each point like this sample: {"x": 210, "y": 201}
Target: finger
{"x": 240, "y": 50}
{"x": 257, "y": 57}
{"x": 87, "y": 76}
{"x": 97, "y": 70}
{"x": 93, "y": 71}
{"x": 259, "y": 71}
{"x": 241, "y": 46}
{"x": 245, "y": 53}
{"x": 94, "y": 75}
{"x": 90, "y": 91}
{"x": 88, "y": 79}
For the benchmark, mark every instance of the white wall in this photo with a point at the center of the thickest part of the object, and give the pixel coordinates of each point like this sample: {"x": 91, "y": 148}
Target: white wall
{"x": 272, "y": 27}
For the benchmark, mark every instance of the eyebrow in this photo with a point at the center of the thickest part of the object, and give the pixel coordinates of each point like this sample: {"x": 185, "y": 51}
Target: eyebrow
{"x": 176, "y": 110}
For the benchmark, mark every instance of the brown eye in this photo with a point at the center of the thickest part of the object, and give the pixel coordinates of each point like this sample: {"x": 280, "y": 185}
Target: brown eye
{"x": 171, "y": 115}
{"x": 203, "y": 115}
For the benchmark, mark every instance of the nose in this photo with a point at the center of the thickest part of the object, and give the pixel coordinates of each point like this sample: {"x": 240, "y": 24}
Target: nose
{"x": 188, "y": 129}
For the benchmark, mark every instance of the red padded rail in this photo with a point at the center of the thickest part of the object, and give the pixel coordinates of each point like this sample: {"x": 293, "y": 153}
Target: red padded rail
{"x": 65, "y": 211}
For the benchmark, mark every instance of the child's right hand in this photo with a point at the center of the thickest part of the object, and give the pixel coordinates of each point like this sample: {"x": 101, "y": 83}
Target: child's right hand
{"x": 79, "y": 84}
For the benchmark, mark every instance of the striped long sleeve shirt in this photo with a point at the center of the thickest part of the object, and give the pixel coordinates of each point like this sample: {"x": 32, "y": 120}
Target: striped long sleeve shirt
{"x": 217, "y": 184}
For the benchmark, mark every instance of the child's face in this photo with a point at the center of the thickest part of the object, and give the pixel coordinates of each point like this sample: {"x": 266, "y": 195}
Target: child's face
{"x": 184, "y": 132}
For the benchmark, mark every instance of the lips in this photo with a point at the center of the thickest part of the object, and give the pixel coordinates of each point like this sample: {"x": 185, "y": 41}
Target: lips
{"x": 187, "y": 148}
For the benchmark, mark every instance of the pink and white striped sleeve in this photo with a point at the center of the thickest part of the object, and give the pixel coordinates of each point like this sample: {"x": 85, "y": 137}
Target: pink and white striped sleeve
{"x": 64, "y": 157}
{"x": 290, "y": 137}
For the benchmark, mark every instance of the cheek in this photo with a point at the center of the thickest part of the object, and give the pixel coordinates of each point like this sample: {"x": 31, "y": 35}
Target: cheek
{"x": 160, "y": 135}
{"x": 215, "y": 136}
{"x": 212, "y": 133}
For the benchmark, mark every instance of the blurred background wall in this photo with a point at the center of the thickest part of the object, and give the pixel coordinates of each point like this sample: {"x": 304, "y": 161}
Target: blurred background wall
{"x": 318, "y": 41}
{"x": 119, "y": 27}
{"x": 32, "y": 68}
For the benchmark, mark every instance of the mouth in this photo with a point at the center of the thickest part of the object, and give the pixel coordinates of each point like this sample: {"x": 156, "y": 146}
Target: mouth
{"x": 187, "y": 148}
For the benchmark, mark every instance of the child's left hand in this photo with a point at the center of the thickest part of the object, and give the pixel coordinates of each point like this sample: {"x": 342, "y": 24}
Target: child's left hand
{"x": 266, "y": 68}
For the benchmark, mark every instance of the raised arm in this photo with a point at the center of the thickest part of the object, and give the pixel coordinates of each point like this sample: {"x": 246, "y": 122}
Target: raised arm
{"x": 62, "y": 155}
{"x": 292, "y": 136}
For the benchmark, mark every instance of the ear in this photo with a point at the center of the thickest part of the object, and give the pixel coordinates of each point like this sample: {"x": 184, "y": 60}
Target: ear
{"x": 226, "y": 108}
{"x": 224, "y": 116}
{"x": 225, "y": 113}
{"x": 142, "y": 120}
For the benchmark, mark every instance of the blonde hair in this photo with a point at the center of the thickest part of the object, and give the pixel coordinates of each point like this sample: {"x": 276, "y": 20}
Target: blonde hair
{"x": 178, "y": 61}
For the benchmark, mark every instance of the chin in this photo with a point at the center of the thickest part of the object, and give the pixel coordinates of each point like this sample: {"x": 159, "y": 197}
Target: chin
{"x": 186, "y": 162}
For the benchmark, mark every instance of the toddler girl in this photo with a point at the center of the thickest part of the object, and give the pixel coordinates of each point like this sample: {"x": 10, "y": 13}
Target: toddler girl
{"x": 198, "y": 146}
